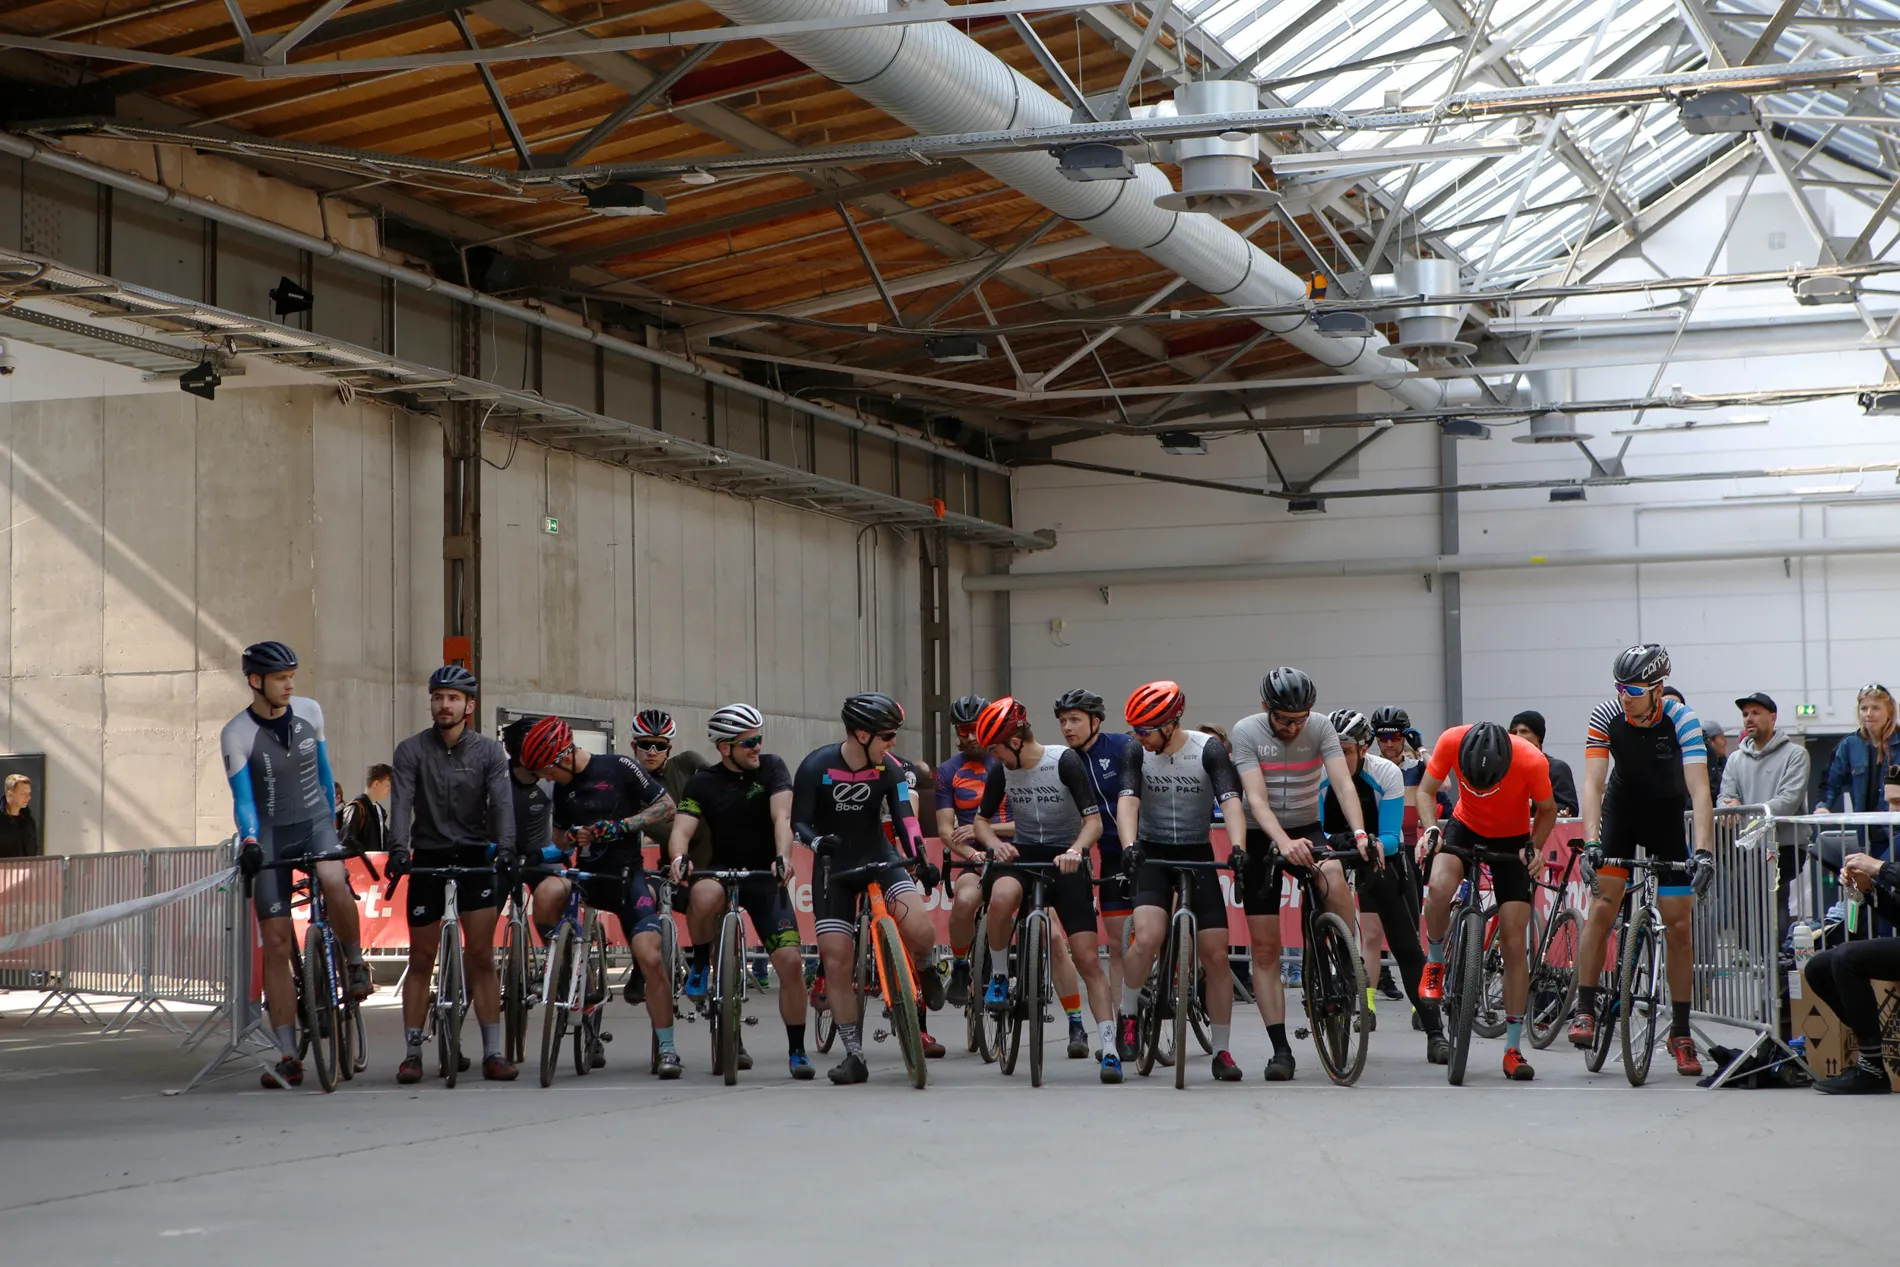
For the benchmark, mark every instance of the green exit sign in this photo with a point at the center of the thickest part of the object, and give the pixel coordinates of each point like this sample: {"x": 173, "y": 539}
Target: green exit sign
{"x": 1804, "y": 710}
{"x": 552, "y": 525}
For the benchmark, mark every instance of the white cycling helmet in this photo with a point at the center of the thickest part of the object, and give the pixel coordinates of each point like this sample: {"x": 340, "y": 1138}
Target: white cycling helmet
{"x": 732, "y": 721}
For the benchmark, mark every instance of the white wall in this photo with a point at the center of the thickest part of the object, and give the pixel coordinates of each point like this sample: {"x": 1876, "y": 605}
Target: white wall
{"x": 1811, "y": 632}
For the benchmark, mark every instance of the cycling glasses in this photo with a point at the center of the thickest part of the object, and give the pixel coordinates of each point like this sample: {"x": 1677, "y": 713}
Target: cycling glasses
{"x": 1872, "y": 688}
{"x": 1145, "y": 731}
{"x": 1387, "y": 734}
{"x": 753, "y": 742}
{"x": 653, "y": 745}
{"x": 888, "y": 736}
{"x": 1635, "y": 690}
{"x": 1288, "y": 719}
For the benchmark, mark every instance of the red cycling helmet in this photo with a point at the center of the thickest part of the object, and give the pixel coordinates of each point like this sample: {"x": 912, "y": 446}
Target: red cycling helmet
{"x": 999, "y": 721}
{"x": 1155, "y": 704}
{"x": 545, "y": 743}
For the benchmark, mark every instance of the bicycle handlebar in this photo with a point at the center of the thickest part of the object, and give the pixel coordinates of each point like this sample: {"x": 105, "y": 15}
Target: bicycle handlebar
{"x": 1641, "y": 864}
{"x": 852, "y": 873}
{"x": 731, "y": 877}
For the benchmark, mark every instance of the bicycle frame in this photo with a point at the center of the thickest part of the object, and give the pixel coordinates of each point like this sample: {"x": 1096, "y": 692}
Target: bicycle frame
{"x": 320, "y": 938}
{"x": 1335, "y": 1019}
{"x": 721, "y": 991}
{"x": 448, "y": 1007}
{"x": 1171, "y": 969}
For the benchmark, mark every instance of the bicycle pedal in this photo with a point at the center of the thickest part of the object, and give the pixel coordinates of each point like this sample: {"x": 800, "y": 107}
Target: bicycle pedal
{"x": 751, "y": 1020}
{"x": 605, "y": 1037}
{"x": 878, "y": 1036}
{"x": 1302, "y": 1033}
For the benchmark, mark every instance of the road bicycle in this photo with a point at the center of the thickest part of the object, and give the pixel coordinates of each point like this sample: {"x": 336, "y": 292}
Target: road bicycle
{"x": 523, "y": 963}
{"x": 1332, "y": 973}
{"x": 1173, "y": 990}
{"x": 882, "y": 964}
{"x": 981, "y": 1034}
{"x": 574, "y": 987}
{"x": 1554, "y": 946}
{"x": 1464, "y": 953}
{"x": 448, "y": 995}
{"x": 1642, "y": 985}
{"x": 330, "y": 1027}
{"x": 727, "y": 988}
{"x": 672, "y": 963}
{"x": 1032, "y": 984}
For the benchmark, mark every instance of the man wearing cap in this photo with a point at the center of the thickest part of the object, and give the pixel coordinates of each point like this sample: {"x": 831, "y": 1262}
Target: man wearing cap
{"x": 1529, "y": 726}
{"x": 1769, "y": 768}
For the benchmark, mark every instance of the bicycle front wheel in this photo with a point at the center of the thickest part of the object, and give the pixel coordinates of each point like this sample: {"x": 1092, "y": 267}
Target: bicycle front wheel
{"x": 448, "y": 1010}
{"x": 1148, "y": 1015}
{"x": 593, "y": 999}
{"x": 1335, "y": 989}
{"x": 554, "y": 1017}
{"x": 319, "y": 992}
{"x": 900, "y": 994}
{"x": 1609, "y": 1007}
{"x": 1554, "y": 979}
{"x": 1187, "y": 963}
{"x": 1034, "y": 976}
{"x": 725, "y": 1012}
{"x": 1465, "y": 981}
{"x": 983, "y": 1036}
{"x": 514, "y": 990}
{"x": 1640, "y": 997}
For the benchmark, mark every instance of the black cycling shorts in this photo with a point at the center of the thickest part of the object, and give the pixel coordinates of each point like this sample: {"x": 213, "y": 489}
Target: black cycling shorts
{"x": 1154, "y": 885}
{"x": 428, "y": 893}
{"x": 770, "y": 908}
{"x": 270, "y": 894}
{"x": 1657, "y": 828}
{"x": 1072, "y": 896}
{"x": 1261, "y": 887}
{"x": 1116, "y": 895}
{"x": 1510, "y": 881}
{"x": 620, "y": 888}
{"x": 834, "y": 903}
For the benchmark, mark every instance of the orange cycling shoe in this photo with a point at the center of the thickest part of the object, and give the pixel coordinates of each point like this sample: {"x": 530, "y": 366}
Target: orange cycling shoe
{"x": 1516, "y": 1068}
{"x": 1431, "y": 986}
{"x": 1583, "y": 1030}
{"x": 1682, "y": 1047}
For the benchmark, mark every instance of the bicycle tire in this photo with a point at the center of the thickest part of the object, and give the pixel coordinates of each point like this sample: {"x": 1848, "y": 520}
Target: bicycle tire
{"x": 1489, "y": 1022}
{"x": 593, "y": 978}
{"x": 672, "y": 963}
{"x": 1197, "y": 1020}
{"x": 1148, "y": 1011}
{"x": 824, "y": 1026}
{"x": 359, "y": 1043}
{"x": 1640, "y": 997}
{"x": 725, "y": 1017}
{"x": 319, "y": 992}
{"x": 1467, "y": 947}
{"x": 554, "y": 1019}
{"x": 1009, "y": 1026}
{"x": 1335, "y": 993}
{"x": 1034, "y": 976}
{"x": 1187, "y": 962}
{"x": 985, "y": 1039}
{"x": 900, "y": 992}
{"x": 1553, "y": 979}
{"x": 306, "y": 1023}
{"x": 1608, "y": 1009}
{"x": 514, "y": 991}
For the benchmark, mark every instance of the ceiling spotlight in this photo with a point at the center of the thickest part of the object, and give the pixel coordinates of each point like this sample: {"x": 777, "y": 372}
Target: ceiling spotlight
{"x": 1182, "y": 443}
{"x": 619, "y": 198}
{"x": 1709, "y": 113}
{"x": 1463, "y": 429}
{"x": 1306, "y": 506}
{"x": 1094, "y": 161}
{"x": 954, "y": 349}
{"x": 1811, "y": 292}
{"x": 289, "y": 298}
{"x": 1342, "y": 325}
{"x": 1880, "y": 404}
{"x": 201, "y": 380}
{"x": 1572, "y": 494}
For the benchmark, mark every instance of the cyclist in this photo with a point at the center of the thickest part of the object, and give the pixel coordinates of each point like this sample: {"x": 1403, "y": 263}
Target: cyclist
{"x": 533, "y": 798}
{"x": 602, "y": 803}
{"x": 836, "y": 796}
{"x": 1080, "y": 714}
{"x": 1657, "y": 748}
{"x": 746, "y": 801}
{"x": 653, "y": 733}
{"x": 278, "y": 764}
{"x": 1171, "y": 781}
{"x": 1385, "y": 907}
{"x": 960, "y": 784}
{"x": 1282, "y": 753}
{"x": 1504, "y": 805}
{"x": 1059, "y": 819}
{"x": 452, "y": 796}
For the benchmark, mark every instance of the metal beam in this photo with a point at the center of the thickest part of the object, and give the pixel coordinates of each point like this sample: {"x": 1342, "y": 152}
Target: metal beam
{"x": 635, "y": 103}
{"x": 253, "y": 51}
{"x": 279, "y": 50}
{"x": 1050, "y": 66}
{"x": 877, "y": 278}
{"x": 1157, "y": 21}
{"x": 520, "y": 142}
{"x": 1771, "y": 33}
{"x": 1002, "y": 260}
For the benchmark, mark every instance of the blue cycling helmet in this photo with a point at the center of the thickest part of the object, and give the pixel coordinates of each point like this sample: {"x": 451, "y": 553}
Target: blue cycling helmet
{"x": 264, "y": 658}
{"x": 453, "y": 677}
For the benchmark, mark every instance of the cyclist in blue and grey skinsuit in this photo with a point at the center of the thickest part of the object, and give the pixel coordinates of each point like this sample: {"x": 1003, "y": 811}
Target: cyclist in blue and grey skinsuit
{"x": 279, "y": 768}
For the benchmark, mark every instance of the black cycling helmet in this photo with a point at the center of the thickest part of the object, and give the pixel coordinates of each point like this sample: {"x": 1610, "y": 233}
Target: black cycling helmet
{"x": 514, "y": 733}
{"x": 1645, "y": 665}
{"x": 453, "y": 677}
{"x": 1391, "y": 718}
{"x": 268, "y": 657}
{"x": 1082, "y": 701}
{"x": 873, "y": 711}
{"x": 1288, "y": 691}
{"x": 966, "y": 710}
{"x": 654, "y": 723}
{"x": 1484, "y": 756}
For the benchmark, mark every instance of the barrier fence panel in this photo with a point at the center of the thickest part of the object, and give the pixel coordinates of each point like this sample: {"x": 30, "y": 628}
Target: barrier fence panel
{"x": 1737, "y": 969}
{"x": 108, "y": 961}
{"x": 31, "y": 890}
{"x": 184, "y": 953}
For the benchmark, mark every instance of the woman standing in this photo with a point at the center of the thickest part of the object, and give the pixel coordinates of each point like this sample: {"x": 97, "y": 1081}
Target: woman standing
{"x": 19, "y": 837}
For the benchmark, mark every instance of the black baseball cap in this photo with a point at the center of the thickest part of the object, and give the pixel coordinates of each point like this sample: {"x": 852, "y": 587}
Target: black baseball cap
{"x": 1759, "y": 697}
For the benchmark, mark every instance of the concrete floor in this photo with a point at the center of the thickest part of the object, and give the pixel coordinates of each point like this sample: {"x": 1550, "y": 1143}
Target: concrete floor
{"x": 97, "y": 1166}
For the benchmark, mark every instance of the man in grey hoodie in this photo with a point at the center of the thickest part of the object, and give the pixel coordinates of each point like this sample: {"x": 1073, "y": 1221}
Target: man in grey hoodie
{"x": 1770, "y": 768}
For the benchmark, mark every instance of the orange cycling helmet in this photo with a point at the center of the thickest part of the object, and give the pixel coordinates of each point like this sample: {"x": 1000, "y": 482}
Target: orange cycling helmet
{"x": 545, "y": 743}
{"x": 1155, "y": 704}
{"x": 999, "y": 721}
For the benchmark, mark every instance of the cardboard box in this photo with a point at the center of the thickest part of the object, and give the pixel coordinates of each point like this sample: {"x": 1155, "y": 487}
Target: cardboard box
{"x": 1832, "y": 1046}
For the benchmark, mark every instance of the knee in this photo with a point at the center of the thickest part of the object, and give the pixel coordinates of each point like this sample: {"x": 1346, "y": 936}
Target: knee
{"x": 277, "y": 939}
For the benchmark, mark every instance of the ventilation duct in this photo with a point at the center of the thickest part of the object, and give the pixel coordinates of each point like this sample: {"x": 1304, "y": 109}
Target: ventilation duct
{"x": 940, "y": 82}
{"x": 1429, "y": 332}
{"x": 1552, "y": 388}
{"x": 1217, "y": 172}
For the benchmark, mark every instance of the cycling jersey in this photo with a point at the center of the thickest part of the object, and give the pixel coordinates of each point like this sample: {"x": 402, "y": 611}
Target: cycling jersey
{"x": 673, "y": 775}
{"x": 1380, "y": 786}
{"x": 534, "y": 819}
{"x": 1103, "y": 762}
{"x": 1505, "y": 810}
{"x": 1178, "y": 791}
{"x": 1051, "y": 797}
{"x": 613, "y": 786}
{"x": 736, "y": 807}
{"x": 1648, "y": 760}
{"x": 279, "y": 767}
{"x": 1292, "y": 768}
{"x": 829, "y": 798}
{"x": 960, "y": 784}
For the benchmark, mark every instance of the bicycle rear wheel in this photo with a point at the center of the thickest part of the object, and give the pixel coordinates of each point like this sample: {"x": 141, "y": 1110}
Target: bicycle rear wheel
{"x": 1553, "y": 979}
{"x": 514, "y": 990}
{"x": 725, "y": 1009}
{"x": 1033, "y": 974}
{"x": 1187, "y": 962}
{"x": 1148, "y": 1016}
{"x": 1640, "y": 992}
{"x": 554, "y": 1018}
{"x": 357, "y": 1050}
{"x": 593, "y": 998}
{"x": 900, "y": 991}
{"x": 985, "y": 1038}
{"x": 1465, "y": 984}
{"x": 1009, "y": 1026}
{"x": 1609, "y": 1008}
{"x": 1335, "y": 989}
{"x": 448, "y": 1005}
{"x": 1489, "y": 1022}
{"x": 319, "y": 992}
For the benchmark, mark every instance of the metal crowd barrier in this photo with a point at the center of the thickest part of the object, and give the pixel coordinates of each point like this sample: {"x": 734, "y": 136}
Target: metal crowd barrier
{"x": 1737, "y": 978}
{"x": 1821, "y": 842}
{"x": 32, "y": 892}
{"x": 104, "y": 962}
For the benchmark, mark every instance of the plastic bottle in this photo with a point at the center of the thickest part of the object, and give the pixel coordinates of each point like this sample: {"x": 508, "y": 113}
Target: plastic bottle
{"x": 1803, "y": 951}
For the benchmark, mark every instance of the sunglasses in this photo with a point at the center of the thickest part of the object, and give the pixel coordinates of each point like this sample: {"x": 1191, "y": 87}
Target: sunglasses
{"x": 1388, "y": 734}
{"x": 1145, "y": 731}
{"x": 1288, "y": 719}
{"x": 1634, "y": 690}
{"x": 653, "y": 745}
{"x": 888, "y": 736}
{"x": 751, "y": 743}
{"x": 1872, "y": 688}
{"x": 964, "y": 732}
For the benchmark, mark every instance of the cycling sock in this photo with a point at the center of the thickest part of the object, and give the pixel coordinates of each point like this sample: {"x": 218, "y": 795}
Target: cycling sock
{"x": 1513, "y": 1031}
{"x": 1435, "y": 949}
{"x": 1278, "y": 1034}
{"x": 960, "y": 954}
{"x": 412, "y": 1039}
{"x": 1105, "y": 1034}
{"x": 853, "y": 1042}
{"x": 1223, "y": 1035}
{"x": 702, "y": 957}
{"x": 1072, "y": 1004}
{"x": 1679, "y": 1020}
{"x": 665, "y": 1036}
{"x": 286, "y": 1036}
{"x": 491, "y": 1038}
{"x": 795, "y": 1039}
{"x": 1372, "y": 998}
{"x": 1131, "y": 1000}
{"x": 1587, "y": 999}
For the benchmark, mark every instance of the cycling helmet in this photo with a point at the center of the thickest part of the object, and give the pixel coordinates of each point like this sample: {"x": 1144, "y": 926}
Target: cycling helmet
{"x": 732, "y": 721}
{"x": 1645, "y": 665}
{"x": 653, "y": 723}
{"x": 452, "y": 677}
{"x": 965, "y": 711}
{"x": 268, "y": 657}
{"x": 873, "y": 711}
{"x": 1352, "y": 726}
{"x": 1484, "y": 756}
{"x": 514, "y": 734}
{"x": 546, "y": 740}
{"x": 1081, "y": 701}
{"x": 1391, "y": 718}
{"x": 1288, "y": 691}
{"x": 999, "y": 721}
{"x": 1155, "y": 704}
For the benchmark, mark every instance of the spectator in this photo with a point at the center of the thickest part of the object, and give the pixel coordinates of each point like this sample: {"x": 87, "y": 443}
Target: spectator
{"x": 19, "y": 836}
{"x": 1858, "y": 770}
{"x": 1843, "y": 976}
{"x": 1675, "y": 695}
{"x": 1529, "y": 725}
{"x": 1771, "y": 769}
{"x": 1716, "y": 740}
{"x": 364, "y": 822}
